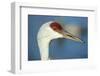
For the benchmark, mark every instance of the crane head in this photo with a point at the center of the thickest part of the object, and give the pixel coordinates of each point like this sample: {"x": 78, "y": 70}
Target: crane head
{"x": 55, "y": 26}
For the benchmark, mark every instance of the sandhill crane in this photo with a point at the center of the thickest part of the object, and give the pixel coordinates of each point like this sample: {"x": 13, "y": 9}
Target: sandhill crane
{"x": 48, "y": 31}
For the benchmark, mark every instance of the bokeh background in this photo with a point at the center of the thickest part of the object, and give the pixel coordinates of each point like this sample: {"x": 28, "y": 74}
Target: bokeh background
{"x": 59, "y": 48}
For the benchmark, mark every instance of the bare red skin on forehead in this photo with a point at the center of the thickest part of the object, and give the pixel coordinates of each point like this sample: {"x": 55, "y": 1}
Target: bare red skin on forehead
{"x": 56, "y": 26}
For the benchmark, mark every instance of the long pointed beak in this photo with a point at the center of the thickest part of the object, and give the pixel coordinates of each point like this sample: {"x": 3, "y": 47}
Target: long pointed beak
{"x": 68, "y": 35}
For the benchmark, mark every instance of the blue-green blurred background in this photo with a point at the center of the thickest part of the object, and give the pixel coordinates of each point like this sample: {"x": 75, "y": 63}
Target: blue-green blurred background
{"x": 59, "y": 48}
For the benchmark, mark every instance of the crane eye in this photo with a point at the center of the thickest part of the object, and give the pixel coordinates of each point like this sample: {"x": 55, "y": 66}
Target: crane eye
{"x": 54, "y": 28}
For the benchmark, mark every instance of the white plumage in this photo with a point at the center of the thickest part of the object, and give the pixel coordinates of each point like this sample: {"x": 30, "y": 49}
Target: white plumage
{"x": 46, "y": 34}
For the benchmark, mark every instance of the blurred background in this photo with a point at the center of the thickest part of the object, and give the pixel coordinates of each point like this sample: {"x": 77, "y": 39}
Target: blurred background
{"x": 59, "y": 48}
